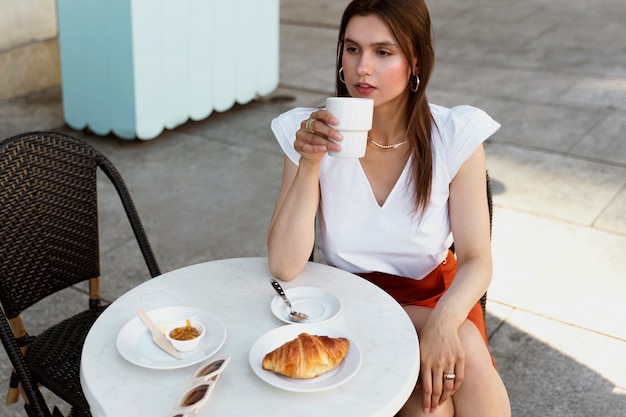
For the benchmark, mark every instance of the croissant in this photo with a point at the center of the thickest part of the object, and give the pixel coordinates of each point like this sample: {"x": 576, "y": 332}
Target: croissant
{"x": 307, "y": 356}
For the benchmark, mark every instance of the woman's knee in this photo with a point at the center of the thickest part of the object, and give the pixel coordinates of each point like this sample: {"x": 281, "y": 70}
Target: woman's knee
{"x": 413, "y": 407}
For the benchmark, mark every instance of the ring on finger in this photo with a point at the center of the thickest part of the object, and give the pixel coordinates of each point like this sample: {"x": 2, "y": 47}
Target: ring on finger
{"x": 307, "y": 126}
{"x": 449, "y": 376}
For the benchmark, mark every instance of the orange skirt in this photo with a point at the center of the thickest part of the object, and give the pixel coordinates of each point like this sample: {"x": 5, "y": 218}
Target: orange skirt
{"x": 427, "y": 291}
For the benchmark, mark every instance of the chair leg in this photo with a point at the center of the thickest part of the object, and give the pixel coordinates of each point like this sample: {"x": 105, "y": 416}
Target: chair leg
{"x": 14, "y": 394}
{"x": 94, "y": 292}
{"x": 19, "y": 332}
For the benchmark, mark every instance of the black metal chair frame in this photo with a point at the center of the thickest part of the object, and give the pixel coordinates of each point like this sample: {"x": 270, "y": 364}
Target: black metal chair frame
{"x": 49, "y": 241}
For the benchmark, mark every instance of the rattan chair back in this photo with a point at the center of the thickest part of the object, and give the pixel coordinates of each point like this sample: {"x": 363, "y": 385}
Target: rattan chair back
{"x": 48, "y": 242}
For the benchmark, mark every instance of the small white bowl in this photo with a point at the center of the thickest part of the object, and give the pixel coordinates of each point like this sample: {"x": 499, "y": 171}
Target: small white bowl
{"x": 185, "y": 345}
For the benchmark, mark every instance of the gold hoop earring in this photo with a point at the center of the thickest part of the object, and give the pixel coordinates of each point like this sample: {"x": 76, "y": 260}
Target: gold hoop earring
{"x": 342, "y": 79}
{"x": 415, "y": 83}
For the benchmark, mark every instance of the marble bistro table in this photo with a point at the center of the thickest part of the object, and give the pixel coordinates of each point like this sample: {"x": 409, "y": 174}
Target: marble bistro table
{"x": 130, "y": 376}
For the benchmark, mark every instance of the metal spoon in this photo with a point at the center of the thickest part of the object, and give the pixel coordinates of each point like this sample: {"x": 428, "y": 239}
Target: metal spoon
{"x": 294, "y": 315}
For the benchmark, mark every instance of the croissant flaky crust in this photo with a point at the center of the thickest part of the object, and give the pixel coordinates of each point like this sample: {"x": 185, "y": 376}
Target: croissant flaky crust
{"x": 307, "y": 356}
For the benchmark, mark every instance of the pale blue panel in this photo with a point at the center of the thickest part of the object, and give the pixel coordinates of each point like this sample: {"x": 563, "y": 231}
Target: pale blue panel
{"x": 268, "y": 45}
{"x": 225, "y": 57}
{"x": 137, "y": 66}
{"x": 201, "y": 46}
{"x": 175, "y": 60}
{"x": 246, "y": 47}
{"x": 120, "y": 68}
{"x": 146, "y": 17}
{"x": 98, "y": 86}
{"x": 73, "y": 76}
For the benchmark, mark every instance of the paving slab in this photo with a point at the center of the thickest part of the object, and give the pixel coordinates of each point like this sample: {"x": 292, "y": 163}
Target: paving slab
{"x": 307, "y": 62}
{"x": 605, "y": 142}
{"x": 533, "y": 125}
{"x": 320, "y": 13}
{"x": 563, "y": 271}
{"x": 39, "y": 111}
{"x": 554, "y": 369}
{"x": 569, "y": 189}
{"x": 613, "y": 218}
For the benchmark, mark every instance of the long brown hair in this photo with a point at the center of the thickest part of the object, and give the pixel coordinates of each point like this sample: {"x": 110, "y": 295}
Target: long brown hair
{"x": 409, "y": 21}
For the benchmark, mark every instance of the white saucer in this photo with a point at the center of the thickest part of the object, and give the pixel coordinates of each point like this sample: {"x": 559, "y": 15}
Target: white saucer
{"x": 134, "y": 341}
{"x": 275, "y": 338}
{"x": 320, "y": 305}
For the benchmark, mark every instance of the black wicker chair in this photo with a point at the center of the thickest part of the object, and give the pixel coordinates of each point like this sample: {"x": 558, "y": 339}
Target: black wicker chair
{"x": 48, "y": 242}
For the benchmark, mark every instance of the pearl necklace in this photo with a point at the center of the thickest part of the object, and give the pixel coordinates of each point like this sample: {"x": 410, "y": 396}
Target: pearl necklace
{"x": 381, "y": 146}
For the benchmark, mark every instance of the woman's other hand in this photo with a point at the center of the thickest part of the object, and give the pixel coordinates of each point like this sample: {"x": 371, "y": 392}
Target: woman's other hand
{"x": 441, "y": 354}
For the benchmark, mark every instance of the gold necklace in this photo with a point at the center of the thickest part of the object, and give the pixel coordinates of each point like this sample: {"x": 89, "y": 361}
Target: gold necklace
{"x": 381, "y": 146}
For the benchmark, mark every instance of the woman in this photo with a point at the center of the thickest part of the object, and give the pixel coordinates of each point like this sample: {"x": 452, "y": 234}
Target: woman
{"x": 390, "y": 215}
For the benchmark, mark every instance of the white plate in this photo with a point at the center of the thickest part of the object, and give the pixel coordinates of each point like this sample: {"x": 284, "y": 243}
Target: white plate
{"x": 134, "y": 341}
{"x": 275, "y": 338}
{"x": 321, "y": 305}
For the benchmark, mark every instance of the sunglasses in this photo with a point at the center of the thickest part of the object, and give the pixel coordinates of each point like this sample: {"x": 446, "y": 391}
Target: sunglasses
{"x": 202, "y": 384}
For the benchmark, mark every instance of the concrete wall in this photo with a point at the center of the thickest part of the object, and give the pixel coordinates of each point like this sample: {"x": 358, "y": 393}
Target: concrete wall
{"x": 29, "y": 49}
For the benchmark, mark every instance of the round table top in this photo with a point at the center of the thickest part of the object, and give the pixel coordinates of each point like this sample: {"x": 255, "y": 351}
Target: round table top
{"x": 238, "y": 292}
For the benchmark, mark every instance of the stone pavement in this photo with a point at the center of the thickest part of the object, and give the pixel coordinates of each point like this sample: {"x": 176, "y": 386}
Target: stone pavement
{"x": 553, "y": 72}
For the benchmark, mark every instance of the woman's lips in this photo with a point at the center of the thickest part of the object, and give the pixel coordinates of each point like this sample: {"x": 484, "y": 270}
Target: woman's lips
{"x": 364, "y": 88}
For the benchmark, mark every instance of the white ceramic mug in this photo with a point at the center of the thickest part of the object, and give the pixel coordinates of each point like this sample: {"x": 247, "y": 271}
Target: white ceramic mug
{"x": 355, "y": 121}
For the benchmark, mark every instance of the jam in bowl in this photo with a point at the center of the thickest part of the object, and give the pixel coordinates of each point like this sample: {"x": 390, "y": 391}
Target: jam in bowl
{"x": 185, "y": 335}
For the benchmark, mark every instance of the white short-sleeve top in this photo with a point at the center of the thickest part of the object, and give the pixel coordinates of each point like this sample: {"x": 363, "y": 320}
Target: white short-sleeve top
{"x": 358, "y": 235}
